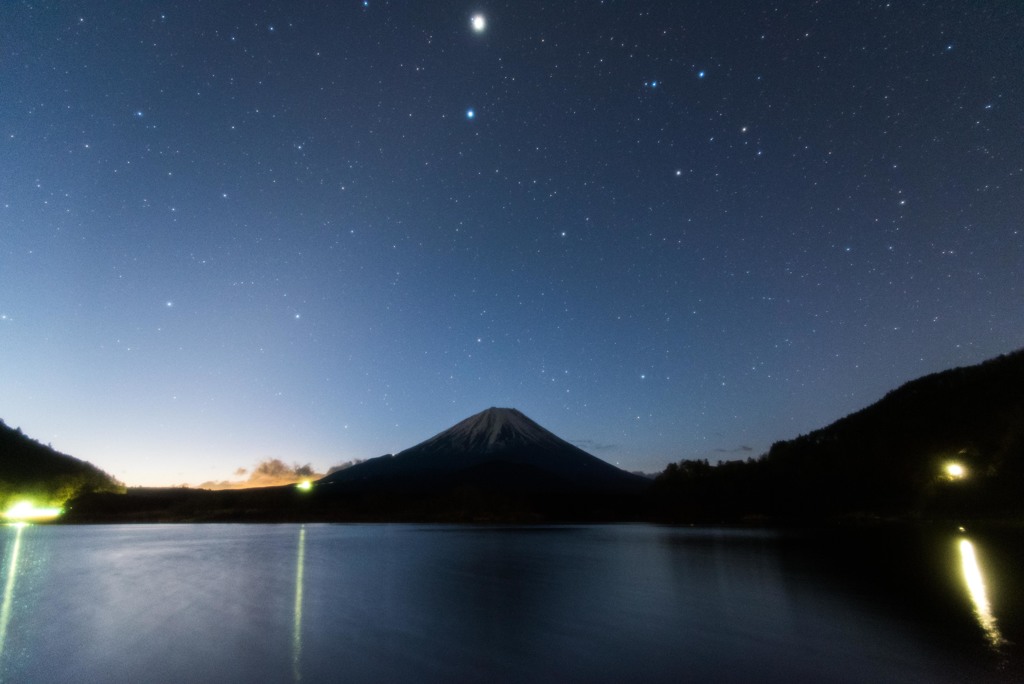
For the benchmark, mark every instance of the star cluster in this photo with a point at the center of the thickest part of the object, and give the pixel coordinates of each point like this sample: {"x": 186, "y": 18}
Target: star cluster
{"x": 326, "y": 231}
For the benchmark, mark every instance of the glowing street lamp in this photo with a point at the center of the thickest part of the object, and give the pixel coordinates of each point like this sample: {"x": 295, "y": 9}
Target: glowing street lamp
{"x": 955, "y": 471}
{"x": 25, "y": 511}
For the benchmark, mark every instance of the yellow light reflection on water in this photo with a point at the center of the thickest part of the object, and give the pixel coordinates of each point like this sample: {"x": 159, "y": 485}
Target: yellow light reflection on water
{"x": 979, "y": 596}
{"x": 297, "y": 628}
{"x": 12, "y": 574}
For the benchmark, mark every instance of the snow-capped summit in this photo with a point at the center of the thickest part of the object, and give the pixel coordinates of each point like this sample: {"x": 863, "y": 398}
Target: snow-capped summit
{"x": 499, "y": 447}
{"x": 494, "y": 430}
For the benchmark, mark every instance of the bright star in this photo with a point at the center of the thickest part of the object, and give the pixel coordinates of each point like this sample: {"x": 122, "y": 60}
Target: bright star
{"x": 700, "y": 74}
{"x": 470, "y": 114}
{"x": 479, "y": 23}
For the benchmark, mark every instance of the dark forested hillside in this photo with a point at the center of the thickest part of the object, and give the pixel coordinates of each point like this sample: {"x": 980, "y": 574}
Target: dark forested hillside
{"x": 891, "y": 459}
{"x": 888, "y": 458}
{"x": 31, "y": 470}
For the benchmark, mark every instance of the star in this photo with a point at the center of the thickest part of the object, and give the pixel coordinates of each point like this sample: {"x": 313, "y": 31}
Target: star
{"x": 580, "y": 134}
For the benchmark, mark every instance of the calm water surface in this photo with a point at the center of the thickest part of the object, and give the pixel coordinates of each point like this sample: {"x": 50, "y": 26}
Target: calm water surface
{"x": 367, "y": 603}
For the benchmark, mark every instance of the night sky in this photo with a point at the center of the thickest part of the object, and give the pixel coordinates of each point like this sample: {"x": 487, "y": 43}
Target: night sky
{"x": 232, "y": 231}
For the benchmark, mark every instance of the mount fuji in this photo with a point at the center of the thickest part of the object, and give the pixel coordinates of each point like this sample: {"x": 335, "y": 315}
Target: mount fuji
{"x": 496, "y": 449}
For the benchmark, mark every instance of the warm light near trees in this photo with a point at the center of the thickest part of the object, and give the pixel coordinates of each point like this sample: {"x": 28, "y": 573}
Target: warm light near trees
{"x": 27, "y": 511}
{"x": 955, "y": 471}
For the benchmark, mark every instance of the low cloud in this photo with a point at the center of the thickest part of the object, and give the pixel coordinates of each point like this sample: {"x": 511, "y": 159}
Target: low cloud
{"x": 738, "y": 450}
{"x": 591, "y": 445}
{"x": 269, "y": 473}
{"x": 343, "y": 466}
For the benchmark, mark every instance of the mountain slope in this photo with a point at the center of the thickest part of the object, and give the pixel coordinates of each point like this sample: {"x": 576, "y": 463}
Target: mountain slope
{"x": 888, "y": 458}
{"x": 497, "y": 448}
{"x": 892, "y": 452}
{"x": 30, "y": 469}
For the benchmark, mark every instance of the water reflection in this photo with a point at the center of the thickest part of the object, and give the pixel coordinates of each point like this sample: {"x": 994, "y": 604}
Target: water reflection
{"x": 297, "y": 625}
{"x": 449, "y": 603}
{"x": 979, "y": 596}
{"x": 12, "y": 574}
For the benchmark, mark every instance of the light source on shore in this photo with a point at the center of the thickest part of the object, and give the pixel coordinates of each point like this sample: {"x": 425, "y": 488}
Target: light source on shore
{"x": 954, "y": 471}
{"x": 304, "y": 486}
{"x": 25, "y": 511}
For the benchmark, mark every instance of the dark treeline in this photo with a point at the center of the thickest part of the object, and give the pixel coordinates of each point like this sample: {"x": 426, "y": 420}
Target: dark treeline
{"x": 474, "y": 502}
{"x": 885, "y": 460}
{"x": 30, "y": 470}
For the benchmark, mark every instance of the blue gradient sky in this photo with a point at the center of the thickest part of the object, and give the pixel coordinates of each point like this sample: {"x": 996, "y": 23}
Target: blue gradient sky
{"x": 238, "y": 231}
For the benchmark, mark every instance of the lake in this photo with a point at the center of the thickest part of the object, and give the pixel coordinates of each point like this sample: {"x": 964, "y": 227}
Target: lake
{"x": 438, "y": 603}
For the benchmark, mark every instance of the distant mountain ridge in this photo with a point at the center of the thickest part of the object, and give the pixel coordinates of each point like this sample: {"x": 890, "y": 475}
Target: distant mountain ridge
{"x": 887, "y": 460}
{"x": 498, "y": 447}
